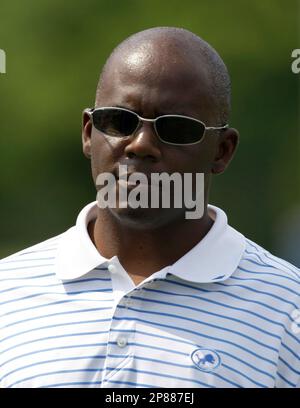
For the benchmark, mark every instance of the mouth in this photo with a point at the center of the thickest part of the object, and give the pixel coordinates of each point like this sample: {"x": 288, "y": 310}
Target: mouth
{"x": 132, "y": 183}
{"x": 136, "y": 178}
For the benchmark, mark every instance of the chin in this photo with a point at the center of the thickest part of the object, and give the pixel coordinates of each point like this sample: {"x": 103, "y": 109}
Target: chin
{"x": 147, "y": 218}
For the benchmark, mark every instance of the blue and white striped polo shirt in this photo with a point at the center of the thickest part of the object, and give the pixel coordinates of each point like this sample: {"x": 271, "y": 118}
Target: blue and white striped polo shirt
{"x": 221, "y": 316}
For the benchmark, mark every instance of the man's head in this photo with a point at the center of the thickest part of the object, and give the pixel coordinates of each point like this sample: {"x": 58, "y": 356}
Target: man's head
{"x": 157, "y": 72}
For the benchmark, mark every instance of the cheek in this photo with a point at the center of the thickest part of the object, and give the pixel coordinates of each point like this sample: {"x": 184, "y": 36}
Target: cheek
{"x": 100, "y": 154}
{"x": 203, "y": 155}
{"x": 192, "y": 159}
{"x": 105, "y": 152}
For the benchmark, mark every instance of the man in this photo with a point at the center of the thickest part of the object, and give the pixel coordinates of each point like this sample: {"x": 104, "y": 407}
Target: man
{"x": 145, "y": 297}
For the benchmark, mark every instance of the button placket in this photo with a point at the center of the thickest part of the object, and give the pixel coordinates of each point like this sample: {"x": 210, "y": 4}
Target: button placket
{"x": 121, "y": 337}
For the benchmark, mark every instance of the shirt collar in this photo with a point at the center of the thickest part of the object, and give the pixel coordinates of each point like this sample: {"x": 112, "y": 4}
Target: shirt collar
{"x": 214, "y": 258}
{"x": 77, "y": 254}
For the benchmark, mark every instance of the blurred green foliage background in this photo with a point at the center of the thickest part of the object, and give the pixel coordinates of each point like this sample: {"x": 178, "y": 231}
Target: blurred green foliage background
{"x": 55, "y": 50}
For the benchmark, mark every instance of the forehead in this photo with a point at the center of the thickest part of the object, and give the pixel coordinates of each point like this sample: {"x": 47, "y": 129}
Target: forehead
{"x": 154, "y": 82}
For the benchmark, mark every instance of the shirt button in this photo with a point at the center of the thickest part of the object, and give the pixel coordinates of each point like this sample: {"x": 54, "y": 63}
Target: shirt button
{"x": 122, "y": 342}
{"x": 128, "y": 302}
{"x": 112, "y": 268}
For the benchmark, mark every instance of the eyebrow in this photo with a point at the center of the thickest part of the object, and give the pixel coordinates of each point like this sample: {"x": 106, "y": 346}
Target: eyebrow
{"x": 126, "y": 107}
{"x": 157, "y": 115}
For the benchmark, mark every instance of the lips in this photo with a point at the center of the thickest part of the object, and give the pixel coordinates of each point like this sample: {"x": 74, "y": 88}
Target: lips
{"x": 137, "y": 182}
{"x": 128, "y": 177}
{"x": 125, "y": 168}
{"x": 137, "y": 165}
{"x": 126, "y": 174}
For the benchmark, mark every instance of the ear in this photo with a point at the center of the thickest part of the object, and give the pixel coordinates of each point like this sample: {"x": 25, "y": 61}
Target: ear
{"x": 86, "y": 133}
{"x": 226, "y": 147}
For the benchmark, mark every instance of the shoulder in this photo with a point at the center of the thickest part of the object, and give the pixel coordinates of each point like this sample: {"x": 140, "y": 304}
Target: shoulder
{"x": 275, "y": 285}
{"x": 257, "y": 259}
{"x": 268, "y": 274}
{"x": 42, "y": 251}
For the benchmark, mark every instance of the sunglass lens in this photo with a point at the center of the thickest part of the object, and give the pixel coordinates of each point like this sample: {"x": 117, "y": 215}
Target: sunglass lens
{"x": 115, "y": 122}
{"x": 177, "y": 130}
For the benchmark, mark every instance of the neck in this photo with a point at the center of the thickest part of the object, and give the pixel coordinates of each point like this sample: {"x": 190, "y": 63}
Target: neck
{"x": 143, "y": 252}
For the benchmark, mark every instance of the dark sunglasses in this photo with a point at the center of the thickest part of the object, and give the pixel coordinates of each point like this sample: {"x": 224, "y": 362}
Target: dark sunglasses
{"x": 171, "y": 129}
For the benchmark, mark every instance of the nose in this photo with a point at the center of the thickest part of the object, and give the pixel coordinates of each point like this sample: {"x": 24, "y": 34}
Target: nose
{"x": 144, "y": 143}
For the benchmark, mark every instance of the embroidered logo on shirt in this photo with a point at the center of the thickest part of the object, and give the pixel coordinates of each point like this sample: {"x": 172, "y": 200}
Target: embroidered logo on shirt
{"x": 205, "y": 359}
